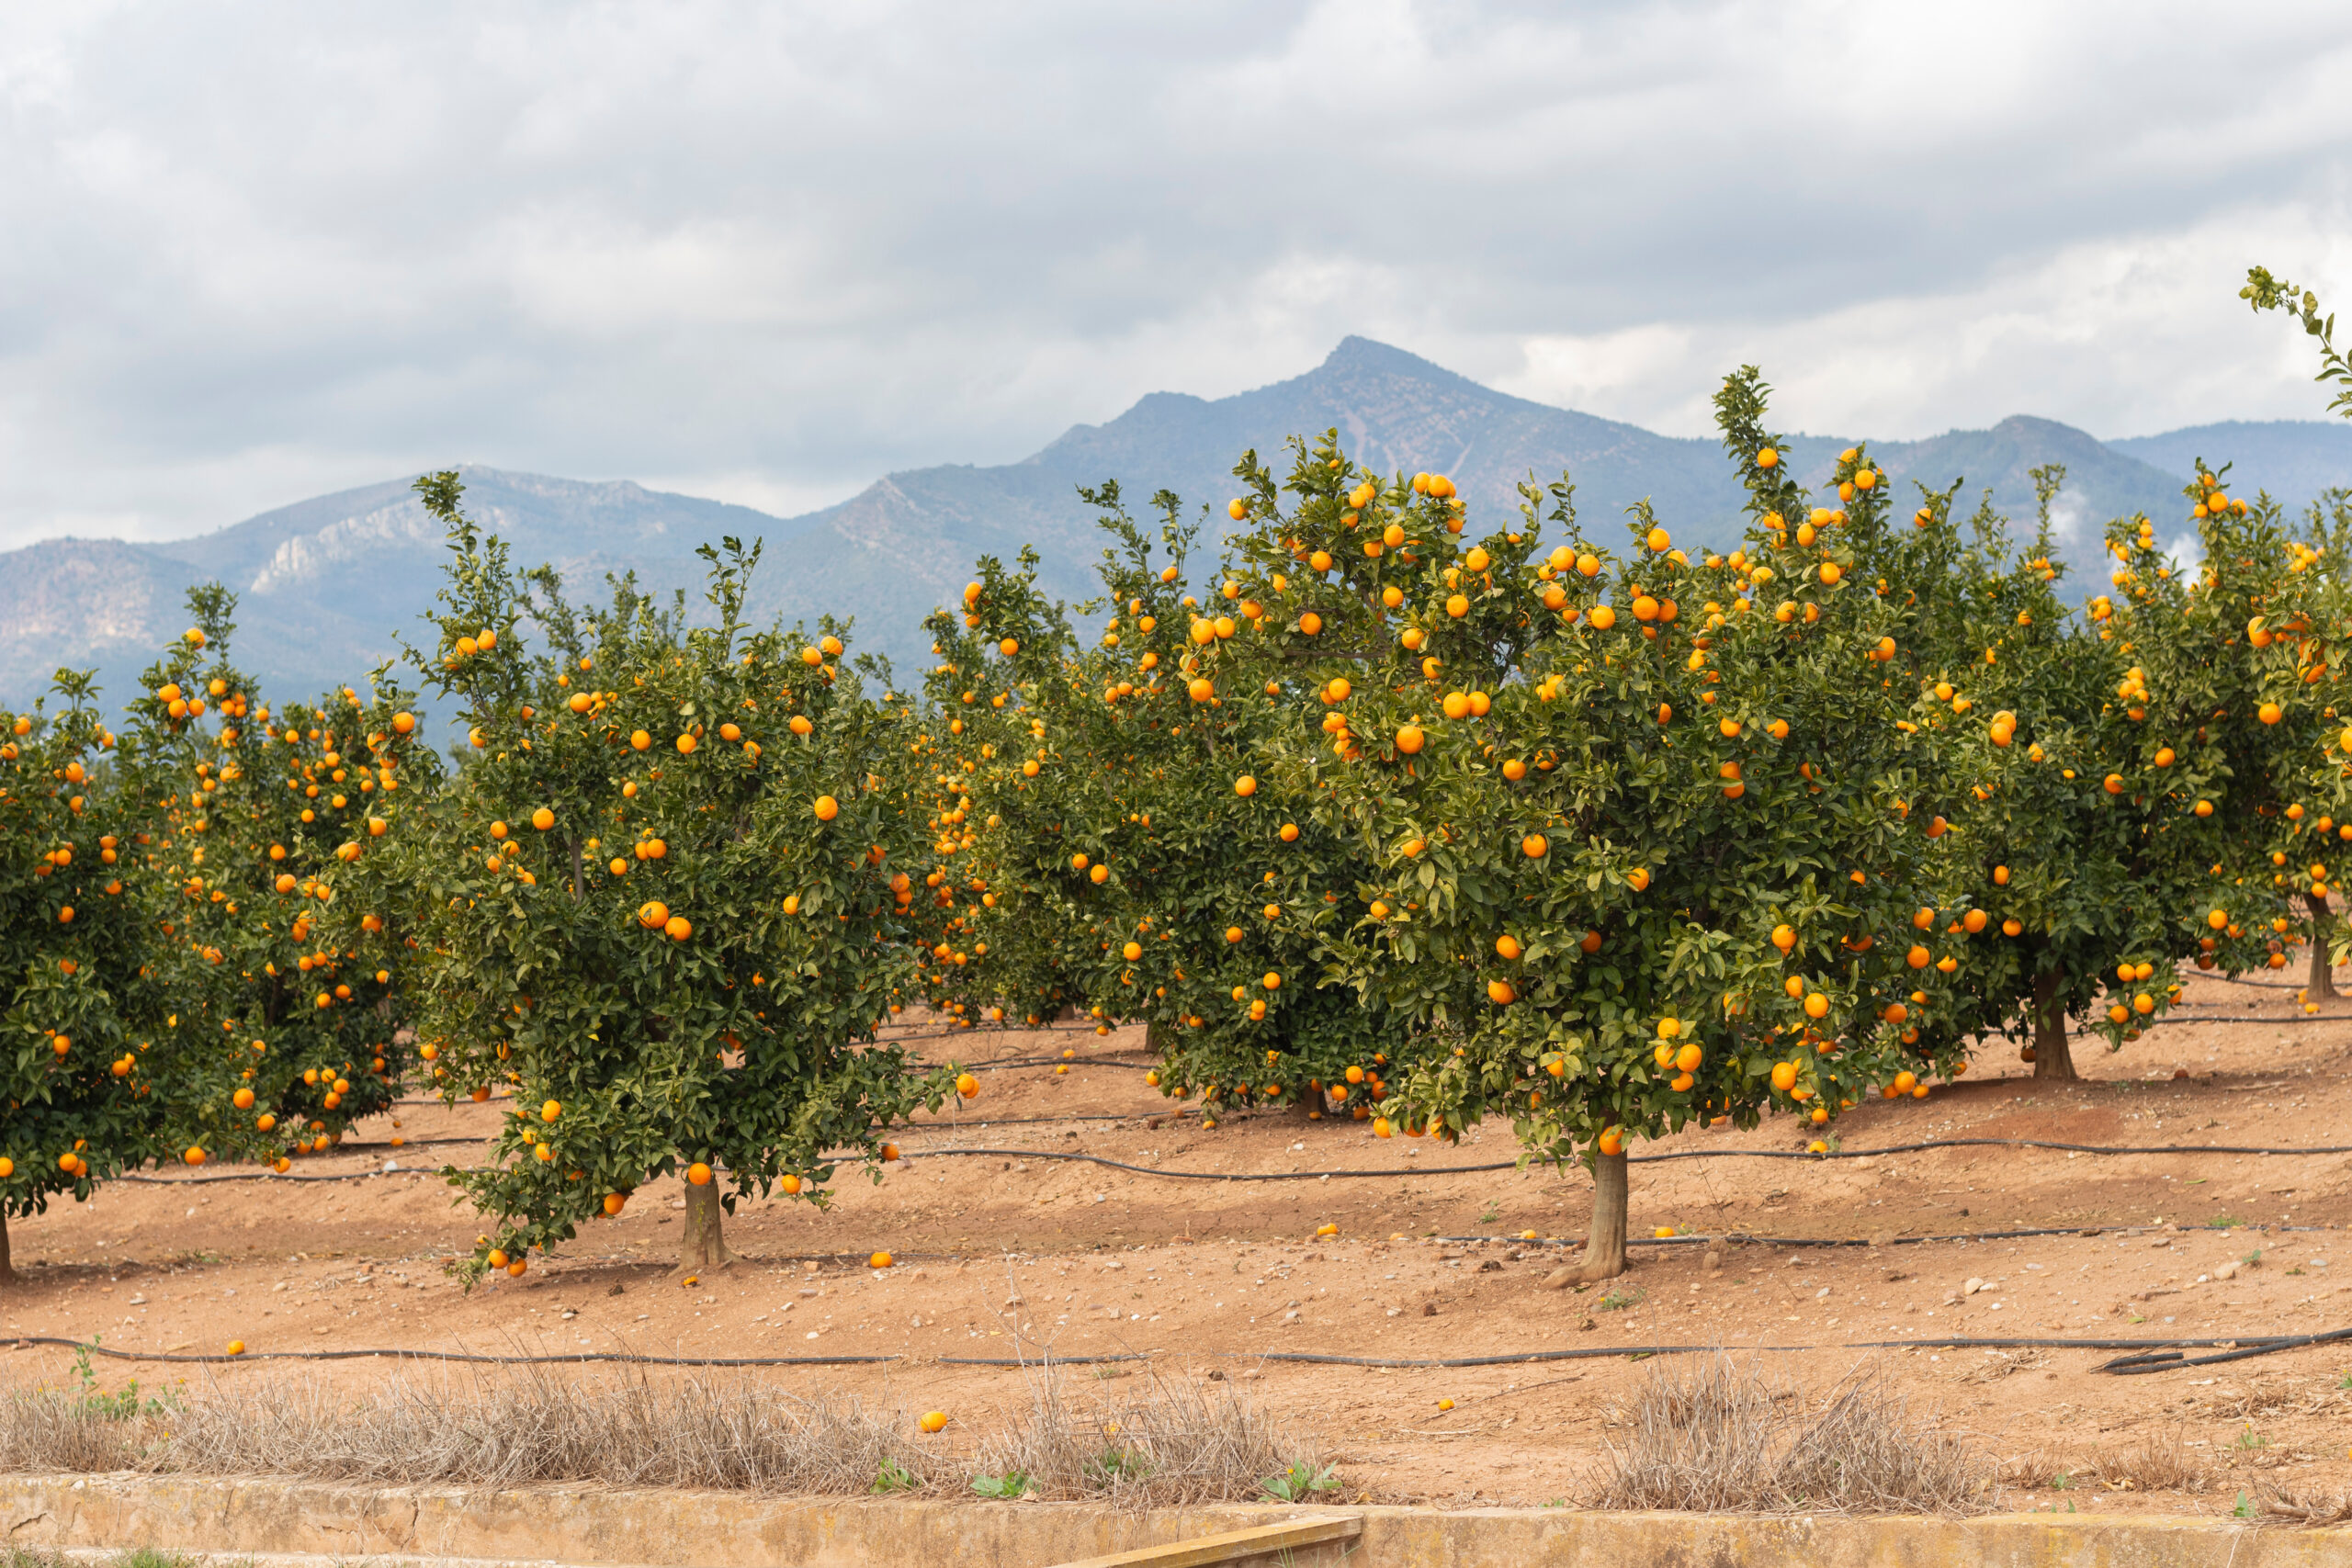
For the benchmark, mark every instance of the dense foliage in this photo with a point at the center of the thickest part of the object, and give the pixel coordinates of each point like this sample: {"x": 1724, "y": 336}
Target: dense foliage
{"x": 1390, "y": 812}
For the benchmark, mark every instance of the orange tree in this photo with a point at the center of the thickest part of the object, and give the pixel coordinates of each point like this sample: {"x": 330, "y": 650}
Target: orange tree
{"x": 986, "y": 948}
{"x": 2314, "y": 620}
{"x": 297, "y": 1019}
{"x": 2077, "y": 849}
{"x": 1136, "y": 864}
{"x": 655, "y": 900}
{"x": 1645, "y": 835}
{"x": 81, "y": 1075}
{"x": 2261, "y": 626}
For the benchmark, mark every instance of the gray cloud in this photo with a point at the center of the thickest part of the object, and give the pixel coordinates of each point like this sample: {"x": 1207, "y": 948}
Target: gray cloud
{"x": 765, "y": 252}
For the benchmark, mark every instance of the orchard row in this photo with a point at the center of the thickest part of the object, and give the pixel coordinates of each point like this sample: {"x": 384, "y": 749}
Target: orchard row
{"x": 1394, "y": 813}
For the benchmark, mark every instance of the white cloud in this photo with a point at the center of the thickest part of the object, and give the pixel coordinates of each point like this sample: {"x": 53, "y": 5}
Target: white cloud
{"x": 259, "y": 250}
{"x": 2124, "y": 335}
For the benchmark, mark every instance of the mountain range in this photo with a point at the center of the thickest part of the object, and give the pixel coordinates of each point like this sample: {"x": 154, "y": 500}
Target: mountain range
{"x": 326, "y": 585}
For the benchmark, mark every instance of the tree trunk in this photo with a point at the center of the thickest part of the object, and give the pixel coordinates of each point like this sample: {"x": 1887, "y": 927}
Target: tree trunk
{"x": 2052, "y": 1056}
{"x": 704, "y": 1245}
{"x": 7, "y": 1268}
{"x": 1604, "y": 1251}
{"x": 2322, "y": 988}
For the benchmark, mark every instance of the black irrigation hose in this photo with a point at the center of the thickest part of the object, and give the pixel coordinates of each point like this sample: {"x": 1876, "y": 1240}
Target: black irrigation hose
{"x": 274, "y": 1175}
{"x": 1043, "y": 1360}
{"x": 2167, "y": 1360}
{"x": 1206, "y": 1175}
{"x": 94, "y": 1348}
{"x": 977, "y": 1032}
{"x": 1996, "y": 1143}
{"x": 2157, "y": 1355}
{"x": 2175, "y": 1018}
{"x": 1407, "y": 1170}
{"x": 2261, "y": 1347}
{"x": 1638, "y": 1159}
{"x": 1742, "y": 1238}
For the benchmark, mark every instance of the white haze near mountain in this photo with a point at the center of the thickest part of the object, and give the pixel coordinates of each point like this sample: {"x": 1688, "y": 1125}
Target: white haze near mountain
{"x": 255, "y": 250}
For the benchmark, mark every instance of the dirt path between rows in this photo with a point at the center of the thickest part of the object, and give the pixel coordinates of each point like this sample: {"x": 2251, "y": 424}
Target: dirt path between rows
{"x": 1012, "y": 1254}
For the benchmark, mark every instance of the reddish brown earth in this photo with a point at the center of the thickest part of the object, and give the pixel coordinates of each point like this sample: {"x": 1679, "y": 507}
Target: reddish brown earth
{"x": 1010, "y": 1254}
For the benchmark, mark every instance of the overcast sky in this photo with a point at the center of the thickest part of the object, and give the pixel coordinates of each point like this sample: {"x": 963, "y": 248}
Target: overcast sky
{"x": 766, "y": 251}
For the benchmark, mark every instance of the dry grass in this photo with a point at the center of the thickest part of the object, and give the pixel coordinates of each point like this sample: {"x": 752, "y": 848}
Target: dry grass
{"x": 514, "y": 1428}
{"x": 1714, "y": 1437}
{"x": 1169, "y": 1443}
{"x": 50, "y": 1430}
{"x": 2160, "y": 1461}
{"x": 2315, "y": 1508}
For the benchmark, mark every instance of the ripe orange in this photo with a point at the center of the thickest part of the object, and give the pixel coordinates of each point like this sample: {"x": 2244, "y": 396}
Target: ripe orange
{"x": 934, "y": 1421}
{"x": 699, "y": 1174}
{"x": 826, "y": 808}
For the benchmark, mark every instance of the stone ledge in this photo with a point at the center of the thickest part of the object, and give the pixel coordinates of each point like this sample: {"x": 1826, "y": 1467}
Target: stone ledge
{"x": 297, "y": 1523}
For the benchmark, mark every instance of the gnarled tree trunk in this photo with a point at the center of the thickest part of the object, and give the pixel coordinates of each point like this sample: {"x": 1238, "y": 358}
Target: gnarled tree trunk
{"x": 2052, "y": 1056}
{"x": 1604, "y": 1251}
{"x": 2322, "y": 985}
{"x": 703, "y": 1245}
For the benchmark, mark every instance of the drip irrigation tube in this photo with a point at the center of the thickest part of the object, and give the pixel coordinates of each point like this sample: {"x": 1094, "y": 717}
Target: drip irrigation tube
{"x": 2167, "y": 1360}
{"x": 94, "y": 1348}
{"x": 2108, "y": 1149}
{"x": 2152, "y": 1355}
{"x": 1742, "y": 1238}
{"x": 2227, "y": 1018}
{"x": 2157, "y": 1355}
{"x": 1637, "y": 1159}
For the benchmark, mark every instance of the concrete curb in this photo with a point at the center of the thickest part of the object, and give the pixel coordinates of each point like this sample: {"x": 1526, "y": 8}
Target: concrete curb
{"x": 293, "y": 1519}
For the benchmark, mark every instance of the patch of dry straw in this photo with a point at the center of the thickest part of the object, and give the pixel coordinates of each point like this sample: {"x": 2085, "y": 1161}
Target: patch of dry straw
{"x": 1713, "y": 1436}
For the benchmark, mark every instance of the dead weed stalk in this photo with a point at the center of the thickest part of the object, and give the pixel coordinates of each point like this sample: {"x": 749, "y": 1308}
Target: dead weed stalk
{"x": 1711, "y": 1435}
{"x": 510, "y": 1429}
{"x": 1169, "y": 1443}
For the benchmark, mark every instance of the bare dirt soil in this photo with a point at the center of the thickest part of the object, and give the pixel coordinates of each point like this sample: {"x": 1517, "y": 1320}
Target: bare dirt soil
{"x": 1009, "y": 1255}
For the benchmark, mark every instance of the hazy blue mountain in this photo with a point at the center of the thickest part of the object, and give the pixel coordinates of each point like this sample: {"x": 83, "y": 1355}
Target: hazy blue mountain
{"x": 2100, "y": 483}
{"x": 2294, "y": 460}
{"x": 326, "y": 584}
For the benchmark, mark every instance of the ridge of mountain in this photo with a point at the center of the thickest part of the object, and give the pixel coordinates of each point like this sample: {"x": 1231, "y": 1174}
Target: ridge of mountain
{"x": 2294, "y": 460}
{"x": 327, "y": 584}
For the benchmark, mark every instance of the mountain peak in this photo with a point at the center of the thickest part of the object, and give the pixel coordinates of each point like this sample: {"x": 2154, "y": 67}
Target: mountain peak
{"x": 327, "y": 582}
{"x": 1363, "y": 356}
